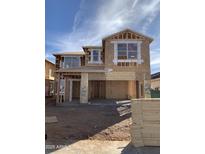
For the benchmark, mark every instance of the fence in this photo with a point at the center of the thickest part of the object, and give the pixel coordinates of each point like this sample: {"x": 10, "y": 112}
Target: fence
{"x": 145, "y": 129}
{"x": 155, "y": 93}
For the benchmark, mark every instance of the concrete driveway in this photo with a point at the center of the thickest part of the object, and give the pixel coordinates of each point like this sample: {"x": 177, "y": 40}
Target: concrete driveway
{"x": 101, "y": 147}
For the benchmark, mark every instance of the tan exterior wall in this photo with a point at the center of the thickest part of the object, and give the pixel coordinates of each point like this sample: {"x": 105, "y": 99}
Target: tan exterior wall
{"x": 96, "y": 76}
{"x": 145, "y": 129}
{"x": 130, "y": 72}
{"x": 49, "y": 67}
{"x": 119, "y": 75}
{"x": 155, "y": 83}
{"x": 109, "y": 56}
{"x": 116, "y": 89}
{"x": 49, "y": 78}
{"x": 132, "y": 93}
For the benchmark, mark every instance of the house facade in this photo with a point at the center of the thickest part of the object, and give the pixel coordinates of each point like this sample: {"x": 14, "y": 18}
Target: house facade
{"x": 49, "y": 78}
{"x": 119, "y": 69}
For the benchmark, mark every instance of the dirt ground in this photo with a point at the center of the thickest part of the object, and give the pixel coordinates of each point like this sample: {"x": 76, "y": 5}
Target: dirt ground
{"x": 92, "y": 122}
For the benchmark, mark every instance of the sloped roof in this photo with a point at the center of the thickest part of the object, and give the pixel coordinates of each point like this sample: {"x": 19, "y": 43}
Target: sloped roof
{"x": 72, "y": 53}
{"x": 92, "y": 46}
{"x": 86, "y": 69}
{"x": 155, "y": 75}
{"x": 49, "y": 61}
{"x": 127, "y": 29}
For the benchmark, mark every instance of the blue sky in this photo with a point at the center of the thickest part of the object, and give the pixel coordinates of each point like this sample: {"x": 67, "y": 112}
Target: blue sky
{"x": 71, "y": 24}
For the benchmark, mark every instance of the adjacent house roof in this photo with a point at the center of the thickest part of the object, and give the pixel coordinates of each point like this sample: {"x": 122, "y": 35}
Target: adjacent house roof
{"x": 137, "y": 33}
{"x": 49, "y": 61}
{"x": 72, "y": 53}
{"x": 91, "y": 46}
{"x": 155, "y": 75}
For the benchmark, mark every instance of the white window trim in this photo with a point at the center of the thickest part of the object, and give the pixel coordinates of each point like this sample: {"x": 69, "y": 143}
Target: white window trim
{"x": 138, "y": 60}
{"x": 99, "y": 57}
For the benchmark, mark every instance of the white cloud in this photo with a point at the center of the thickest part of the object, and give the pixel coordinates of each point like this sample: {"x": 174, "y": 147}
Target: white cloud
{"x": 105, "y": 18}
{"x": 134, "y": 3}
{"x": 155, "y": 60}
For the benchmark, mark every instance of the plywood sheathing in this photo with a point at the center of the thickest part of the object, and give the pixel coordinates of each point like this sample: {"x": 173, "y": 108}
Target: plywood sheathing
{"x": 145, "y": 129}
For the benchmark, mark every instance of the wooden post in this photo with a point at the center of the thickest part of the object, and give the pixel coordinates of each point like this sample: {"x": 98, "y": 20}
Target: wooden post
{"x": 70, "y": 90}
{"x": 84, "y": 88}
{"x": 131, "y": 89}
{"x": 139, "y": 89}
{"x": 58, "y": 88}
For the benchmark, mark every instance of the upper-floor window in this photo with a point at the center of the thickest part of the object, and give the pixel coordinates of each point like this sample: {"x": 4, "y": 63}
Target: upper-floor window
{"x": 127, "y": 50}
{"x": 95, "y": 57}
{"x": 71, "y": 62}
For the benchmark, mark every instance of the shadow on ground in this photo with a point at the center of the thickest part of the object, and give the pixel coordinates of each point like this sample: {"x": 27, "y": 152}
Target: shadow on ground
{"x": 81, "y": 122}
{"x": 130, "y": 149}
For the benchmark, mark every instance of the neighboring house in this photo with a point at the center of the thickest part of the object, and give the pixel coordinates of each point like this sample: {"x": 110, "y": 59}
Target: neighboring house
{"x": 155, "y": 81}
{"x": 119, "y": 69}
{"x": 49, "y": 78}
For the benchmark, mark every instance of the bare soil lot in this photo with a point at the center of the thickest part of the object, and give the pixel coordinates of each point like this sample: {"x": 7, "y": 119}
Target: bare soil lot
{"x": 87, "y": 122}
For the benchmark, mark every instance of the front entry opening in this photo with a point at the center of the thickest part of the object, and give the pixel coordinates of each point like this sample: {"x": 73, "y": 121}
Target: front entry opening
{"x": 76, "y": 90}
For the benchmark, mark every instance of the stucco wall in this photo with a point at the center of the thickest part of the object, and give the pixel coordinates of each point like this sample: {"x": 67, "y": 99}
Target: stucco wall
{"x": 145, "y": 129}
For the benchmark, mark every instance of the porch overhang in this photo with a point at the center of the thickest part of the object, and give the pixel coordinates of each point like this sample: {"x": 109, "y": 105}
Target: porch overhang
{"x": 84, "y": 70}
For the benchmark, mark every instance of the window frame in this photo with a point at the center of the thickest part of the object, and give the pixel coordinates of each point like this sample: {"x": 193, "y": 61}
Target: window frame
{"x": 79, "y": 64}
{"x": 138, "y": 59}
{"x": 92, "y": 57}
{"x": 127, "y": 51}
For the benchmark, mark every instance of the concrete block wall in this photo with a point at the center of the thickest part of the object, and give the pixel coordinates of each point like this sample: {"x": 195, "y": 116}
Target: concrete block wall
{"x": 145, "y": 129}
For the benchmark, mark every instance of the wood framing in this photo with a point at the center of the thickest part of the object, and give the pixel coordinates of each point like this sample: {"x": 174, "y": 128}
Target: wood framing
{"x": 103, "y": 72}
{"x": 49, "y": 78}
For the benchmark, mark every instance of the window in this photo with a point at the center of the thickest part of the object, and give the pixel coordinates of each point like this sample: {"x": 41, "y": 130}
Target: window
{"x": 127, "y": 50}
{"x": 95, "y": 57}
{"x": 122, "y": 50}
{"x": 132, "y": 51}
{"x": 71, "y": 62}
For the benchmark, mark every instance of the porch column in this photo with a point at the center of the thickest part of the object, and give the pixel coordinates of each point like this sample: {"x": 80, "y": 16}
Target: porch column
{"x": 139, "y": 89}
{"x": 84, "y": 88}
{"x": 67, "y": 89}
{"x": 58, "y": 88}
{"x": 71, "y": 90}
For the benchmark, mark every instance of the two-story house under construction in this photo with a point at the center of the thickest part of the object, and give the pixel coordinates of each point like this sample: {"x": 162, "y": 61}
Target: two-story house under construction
{"x": 119, "y": 69}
